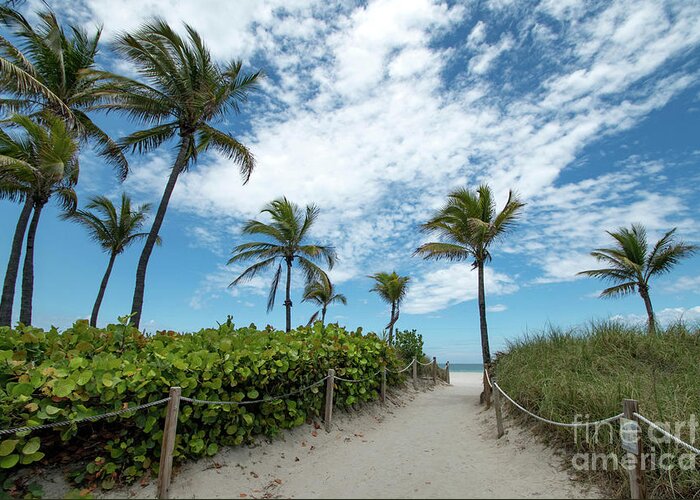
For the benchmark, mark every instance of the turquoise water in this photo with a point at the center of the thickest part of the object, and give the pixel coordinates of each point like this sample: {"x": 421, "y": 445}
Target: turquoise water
{"x": 466, "y": 367}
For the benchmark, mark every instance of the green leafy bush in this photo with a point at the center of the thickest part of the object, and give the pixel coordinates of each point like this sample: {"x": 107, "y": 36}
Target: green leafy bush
{"x": 50, "y": 376}
{"x": 409, "y": 345}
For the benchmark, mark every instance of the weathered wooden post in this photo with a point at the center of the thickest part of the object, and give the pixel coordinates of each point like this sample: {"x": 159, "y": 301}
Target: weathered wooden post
{"x": 497, "y": 404}
{"x": 447, "y": 372}
{"x": 630, "y": 433}
{"x": 328, "y": 415}
{"x": 382, "y": 390}
{"x": 434, "y": 370}
{"x": 415, "y": 374}
{"x": 168, "y": 443}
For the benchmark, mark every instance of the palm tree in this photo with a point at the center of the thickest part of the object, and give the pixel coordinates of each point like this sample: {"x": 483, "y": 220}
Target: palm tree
{"x": 50, "y": 70}
{"x": 43, "y": 160}
{"x": 114, "y": 230}
{"x": 322, "y": 293}
{"x": 289, "y": 228}
{"x": 630, "y": 264}
{"x": 184, "y": 93}
{"x": 468, "y": 226}
{"x": 13, "y": 189}
{"x": 392, "y": 289}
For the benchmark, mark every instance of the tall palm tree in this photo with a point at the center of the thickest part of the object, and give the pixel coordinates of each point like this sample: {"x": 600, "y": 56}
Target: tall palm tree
{"x": 322, "y": 293}
{"x": 392, "y": 289}
{"x": 50, "y": 70}
{"x": 630, "y": 264}
{"x": 43, "y": 159}
{"x": 114, "y": 230}
{"x": 288, "y": 229}
{"x": 183, "y": 94}
{"x": 468, "y": 225}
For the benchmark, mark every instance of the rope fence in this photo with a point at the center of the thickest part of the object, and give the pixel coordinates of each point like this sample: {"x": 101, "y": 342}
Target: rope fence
{"x": 92, "y": 418}
{"x": 630, "y": 431}
{"x": 175, "y": 398}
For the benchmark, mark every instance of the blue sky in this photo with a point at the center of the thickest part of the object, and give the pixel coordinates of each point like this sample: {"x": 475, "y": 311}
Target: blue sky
{"x": 375, "y": 111}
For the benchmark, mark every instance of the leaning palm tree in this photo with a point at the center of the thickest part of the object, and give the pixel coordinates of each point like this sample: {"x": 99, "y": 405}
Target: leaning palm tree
{"x": 392, "y": 289}
{"x": 50, "y": 70}
{"x": 468, "y": 225}
{"x": 322, "y": 293}
{"x": 630, "y": 264}
{"x": 183, "y": 95}
{"x": 43, "y": 160}
{"x": 288, "y": 230}
{"x": 114, "y": 230}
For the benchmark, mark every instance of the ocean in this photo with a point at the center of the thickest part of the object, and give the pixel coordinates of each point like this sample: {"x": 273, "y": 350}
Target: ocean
{"x": 466, "y": 367}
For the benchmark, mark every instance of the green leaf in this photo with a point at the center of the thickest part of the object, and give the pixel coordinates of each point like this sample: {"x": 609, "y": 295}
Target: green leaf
{"x": 107, "y": 380}
{"x": 51, "y": 410}
{"x": 84, "y": 377}
{"x": 253, "y": 394}
{"x": 8, "y": 446}
{"x": 63, "y": 387}
{"x": 248, "y": 418}
{"x": 32, "y": 446}
{"x": 212, "y": 449}
{"x": 9, "y": 461}
{"x": 22, "y": 390}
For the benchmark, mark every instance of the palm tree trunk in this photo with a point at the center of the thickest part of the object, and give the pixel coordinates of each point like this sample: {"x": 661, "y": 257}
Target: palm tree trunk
{"x": 139, "y": 288}
{"x": 101, "y": 293}
{"x": 391, "y": 324}
{"x": 288, "y": 298}
{"x": 8, "y": 288}
{"x": 25, "y": 311}
{"x": 651, "y": 320}
{"x": 485, "y": 349}
{"x": 323, "y": 316}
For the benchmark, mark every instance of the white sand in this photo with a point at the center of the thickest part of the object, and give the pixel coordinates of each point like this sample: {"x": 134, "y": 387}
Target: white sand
{"x": 437, "y": 443}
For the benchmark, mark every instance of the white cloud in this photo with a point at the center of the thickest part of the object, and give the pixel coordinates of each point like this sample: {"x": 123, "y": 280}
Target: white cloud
{"x": 665, "y": 316}
{"x": 496, "y": 308}
{"x": 454, "y": 284}
{"x": 361, "y": 116}
{"x": 684, "y": 284}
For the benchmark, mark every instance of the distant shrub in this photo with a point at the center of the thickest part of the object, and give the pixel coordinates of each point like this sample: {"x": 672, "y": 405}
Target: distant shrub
{"x": 50, "y": 376}
{"x": 409, "y": 345}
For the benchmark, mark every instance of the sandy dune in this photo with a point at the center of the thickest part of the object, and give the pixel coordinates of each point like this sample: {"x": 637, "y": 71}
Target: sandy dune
{"x": 437, "y": 443}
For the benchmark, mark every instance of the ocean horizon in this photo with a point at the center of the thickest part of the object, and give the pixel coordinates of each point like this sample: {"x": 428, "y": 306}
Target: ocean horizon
{"x": 466, "y": 367}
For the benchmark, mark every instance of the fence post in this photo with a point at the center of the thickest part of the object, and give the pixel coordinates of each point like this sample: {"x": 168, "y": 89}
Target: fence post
{"x": 168, "y": 443}
{"x": 634, "y": 453}
{"x": 447, "y": 372}
{"x": 415, "y": 374}
{"x": 434, "y": 370}
{"x": 497, "y": 405}
{"x": 382, "y": 390}
{"x": 329, "y": 399}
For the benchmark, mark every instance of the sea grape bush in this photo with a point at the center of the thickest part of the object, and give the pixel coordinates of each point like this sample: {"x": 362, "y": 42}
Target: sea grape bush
{"x": 50, "y": 376}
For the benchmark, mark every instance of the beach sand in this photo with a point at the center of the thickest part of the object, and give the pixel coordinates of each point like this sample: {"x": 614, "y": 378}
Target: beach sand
{"x": 433, "y": 443}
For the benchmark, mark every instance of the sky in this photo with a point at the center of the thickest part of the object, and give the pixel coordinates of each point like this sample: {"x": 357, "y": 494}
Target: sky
{"x": 375, "y": 111}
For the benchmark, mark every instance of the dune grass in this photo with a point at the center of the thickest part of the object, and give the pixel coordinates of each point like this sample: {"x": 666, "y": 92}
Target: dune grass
{"x": 588, "y": 371}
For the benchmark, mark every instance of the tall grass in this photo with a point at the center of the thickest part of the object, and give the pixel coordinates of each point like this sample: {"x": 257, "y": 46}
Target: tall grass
{"x": 588, "y": 371}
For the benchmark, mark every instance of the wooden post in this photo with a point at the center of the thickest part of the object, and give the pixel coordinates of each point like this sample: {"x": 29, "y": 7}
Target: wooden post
{"x": 168, "y": 443}
{"x": 634, "y": 453}
{"x": 434, "y": 370}
{"x": 415, "y": 374}
{"x": 329, "y": 399}
{"x": 447, "y": 372}
{"x": 382, "y": 390}
{"x": 497, "y": 404}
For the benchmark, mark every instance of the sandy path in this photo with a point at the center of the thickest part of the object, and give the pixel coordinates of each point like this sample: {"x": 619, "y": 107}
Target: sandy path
{"x": 437, "y": 444}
